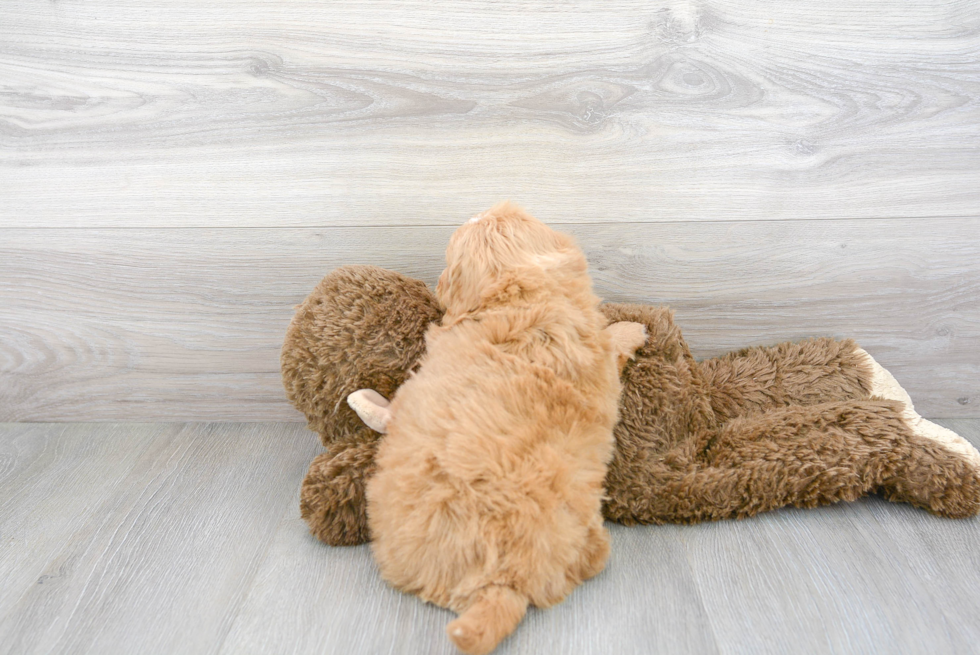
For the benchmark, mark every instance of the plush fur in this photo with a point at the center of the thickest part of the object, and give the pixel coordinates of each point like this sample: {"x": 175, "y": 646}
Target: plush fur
{"x": 795, "y": 424}
{"x": 362, "y": 327}
{"x": 488, "y": 489}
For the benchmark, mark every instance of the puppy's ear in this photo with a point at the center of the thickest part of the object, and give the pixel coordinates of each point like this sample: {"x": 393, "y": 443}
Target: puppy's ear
{"x": 448, "y": 287}
{"x": 444, "y": 287}
{"x": 459, "y": 287}
{"x": 373, "y": 408}
{"x": 564, "y": 260}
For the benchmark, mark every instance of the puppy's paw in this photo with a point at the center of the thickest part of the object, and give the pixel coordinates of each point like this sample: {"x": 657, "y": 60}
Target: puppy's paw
{"x": 627, "y": 337}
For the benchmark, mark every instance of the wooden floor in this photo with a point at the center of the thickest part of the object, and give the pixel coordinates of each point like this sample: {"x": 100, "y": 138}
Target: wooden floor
{"x": 186, "y": 538}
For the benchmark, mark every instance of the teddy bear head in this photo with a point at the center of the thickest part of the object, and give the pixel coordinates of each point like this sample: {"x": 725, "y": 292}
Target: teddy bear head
{"x": 363, "y": 327}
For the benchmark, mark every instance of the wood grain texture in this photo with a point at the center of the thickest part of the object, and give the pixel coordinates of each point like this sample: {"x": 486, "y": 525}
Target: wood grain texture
{"x": 287, "y": 113}
{"x": 831, "y": 580}
{"x": 160, "y": 564}
{"x": 51, "y": 479}
{"x": 191, "y": 541}
{"x": 864, "y": 577}
{"x": 310, "y": 598}
{"x": 186, "y": 324}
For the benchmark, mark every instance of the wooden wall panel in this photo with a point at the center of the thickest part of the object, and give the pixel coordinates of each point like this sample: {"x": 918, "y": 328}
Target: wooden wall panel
{"x": 186, "y": 324}
{"x": 243, "y": 113}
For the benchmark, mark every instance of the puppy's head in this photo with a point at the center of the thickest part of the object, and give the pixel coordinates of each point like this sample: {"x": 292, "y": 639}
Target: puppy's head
{"x": 499, "y": 248}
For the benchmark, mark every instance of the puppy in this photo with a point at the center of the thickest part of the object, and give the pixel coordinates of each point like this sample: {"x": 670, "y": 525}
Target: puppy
{"x": 488, "y": 487}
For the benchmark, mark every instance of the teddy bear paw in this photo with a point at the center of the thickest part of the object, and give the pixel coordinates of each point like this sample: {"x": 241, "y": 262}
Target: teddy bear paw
{"x": 884, "y": 385}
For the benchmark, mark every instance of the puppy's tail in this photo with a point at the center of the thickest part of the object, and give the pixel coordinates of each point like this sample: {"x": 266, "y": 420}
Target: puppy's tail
{"x": 493, "y": 615}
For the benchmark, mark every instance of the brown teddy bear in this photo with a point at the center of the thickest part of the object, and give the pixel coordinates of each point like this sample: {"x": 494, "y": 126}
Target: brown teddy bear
{"x": 801, "y": 424}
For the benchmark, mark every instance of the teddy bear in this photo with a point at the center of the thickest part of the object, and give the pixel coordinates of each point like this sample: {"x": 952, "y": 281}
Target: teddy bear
{"x": 802, "y": 424}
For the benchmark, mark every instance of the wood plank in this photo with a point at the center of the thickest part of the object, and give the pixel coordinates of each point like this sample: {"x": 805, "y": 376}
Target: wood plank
{"x": 310, "y": 598}
{"x": 285, "y": 113}
{"x": 161, "y": 565}
{"x": 830, "y": 580}
{"x": 186, "y": 538}
{"x": 51, "y": 478}
{"x": 942, "y": 556}
{"x": 186, "y": 324}
{"x": 864, "y": 577}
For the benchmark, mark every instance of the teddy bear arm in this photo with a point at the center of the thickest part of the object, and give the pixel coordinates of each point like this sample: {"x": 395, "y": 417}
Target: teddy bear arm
{"x": 332, "y": 498}
{"x": 803, "y": 373}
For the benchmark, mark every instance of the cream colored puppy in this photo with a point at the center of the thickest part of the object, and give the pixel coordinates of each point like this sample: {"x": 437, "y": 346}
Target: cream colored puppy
{"x": 488, "y": 488}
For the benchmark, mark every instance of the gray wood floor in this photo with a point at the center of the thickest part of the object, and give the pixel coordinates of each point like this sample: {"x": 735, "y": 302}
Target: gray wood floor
{"x": 167, "y": 538}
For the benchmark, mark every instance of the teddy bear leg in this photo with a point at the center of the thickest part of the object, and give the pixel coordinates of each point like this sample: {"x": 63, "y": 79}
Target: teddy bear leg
{"x": 802, "y": 456}
{"x": 332, "y": 498}
{"x": 810, "y": 455}
{"x": 805, "y": 373}
{"x": 934, "y": 478}
{"x": 884, "y": 385}
{"x": 842, "y": 450}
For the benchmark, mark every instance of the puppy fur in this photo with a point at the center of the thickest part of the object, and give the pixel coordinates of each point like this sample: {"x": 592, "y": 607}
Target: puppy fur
{"x": 489, "y": 483}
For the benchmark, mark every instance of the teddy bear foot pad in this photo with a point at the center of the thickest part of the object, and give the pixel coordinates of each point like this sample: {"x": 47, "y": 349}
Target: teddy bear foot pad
{"x": 884, "y": 385}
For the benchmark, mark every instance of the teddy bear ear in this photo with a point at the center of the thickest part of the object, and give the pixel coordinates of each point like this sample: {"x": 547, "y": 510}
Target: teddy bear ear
{"x": 373, "y": 408}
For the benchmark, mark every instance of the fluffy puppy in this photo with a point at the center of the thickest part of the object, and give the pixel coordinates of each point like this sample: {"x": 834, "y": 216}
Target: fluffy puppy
{"x": 488, "y": 490}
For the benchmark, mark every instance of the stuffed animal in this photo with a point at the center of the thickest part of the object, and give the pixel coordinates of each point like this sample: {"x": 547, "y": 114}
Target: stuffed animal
{"x": 801, "y": 424}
